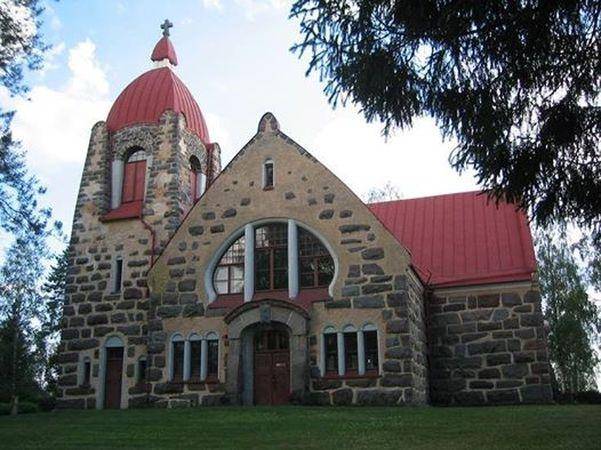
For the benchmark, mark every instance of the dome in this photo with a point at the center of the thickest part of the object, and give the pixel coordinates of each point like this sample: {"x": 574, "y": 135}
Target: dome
{"x": 146, "y": 98}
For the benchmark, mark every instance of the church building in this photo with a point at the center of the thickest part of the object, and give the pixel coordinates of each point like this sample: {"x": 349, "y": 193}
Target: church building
{"x": 270, "y": 282}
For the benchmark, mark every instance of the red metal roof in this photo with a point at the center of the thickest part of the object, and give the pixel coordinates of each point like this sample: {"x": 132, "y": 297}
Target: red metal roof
{"x": 146, "y": 98}
{"x": 461, "y": 239}
{"x": 164, "y": 50}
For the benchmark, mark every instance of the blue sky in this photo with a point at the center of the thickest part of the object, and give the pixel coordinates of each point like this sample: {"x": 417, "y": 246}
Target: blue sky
{"x": 234, "y": 57}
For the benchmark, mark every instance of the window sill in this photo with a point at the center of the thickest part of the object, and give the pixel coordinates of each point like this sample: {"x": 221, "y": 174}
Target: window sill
{"x": 268, "y": 188}
{"x": 351, "y": 376}
{"x": 129, "y": 210}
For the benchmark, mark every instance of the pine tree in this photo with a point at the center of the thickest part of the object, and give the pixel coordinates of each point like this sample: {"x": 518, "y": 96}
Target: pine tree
{"x": 54, "y": 300}
{"x": 21, "y": 306}
{"x": 574, "y": 320}
{"x": 516, "y": 83}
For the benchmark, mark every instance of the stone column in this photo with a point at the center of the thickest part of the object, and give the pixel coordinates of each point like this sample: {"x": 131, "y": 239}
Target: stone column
{"x": 361, "y": 352}
{"x": 116, "y": 182}
{"x": 249, "y": 262}
{"x": 292, "y": 259}
{"x": 232, "y": 380}
{"x": 170, "y": 361}
{"x": 186, "y": 360}
{"x": 203, "y": 359}
{"x": 340, "y": 337}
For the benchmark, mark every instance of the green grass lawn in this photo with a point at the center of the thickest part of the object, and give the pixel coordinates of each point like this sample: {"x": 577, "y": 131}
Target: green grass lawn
{"x": 304, "y": 427}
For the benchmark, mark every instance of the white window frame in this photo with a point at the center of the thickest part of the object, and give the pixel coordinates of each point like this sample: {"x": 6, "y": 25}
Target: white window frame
{"x": 340, "y": 347}
{"x": 176, "y": 337}
{"x": 248, "y": 231}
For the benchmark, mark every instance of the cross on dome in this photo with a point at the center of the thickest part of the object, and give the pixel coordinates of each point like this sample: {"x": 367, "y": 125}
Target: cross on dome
{"x": 165, "y": 27}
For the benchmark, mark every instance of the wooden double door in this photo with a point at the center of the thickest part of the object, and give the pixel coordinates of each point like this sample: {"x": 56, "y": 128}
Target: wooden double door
{"x": 113, "y": 377}
{"x": 271, "y": 367}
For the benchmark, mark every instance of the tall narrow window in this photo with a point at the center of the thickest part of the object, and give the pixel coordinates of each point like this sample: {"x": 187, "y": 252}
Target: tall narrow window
{"x": 271, "y": 257}
{"x": 196, "y": 179}
{"x": 118, "y": 275}
{"x": 212, "y": 355}
{"x": 316, "y": 266}
{"x": 229, "y": 274}
{"x": 177, "y": 348}
{"x": 268, "y": 174}
{"x": 331, "y": 352}
{"x": 195, "y": 358}
{"x": 370, "y": 339}
{"x": 351, "y": 363}
{"x": 87, "y": 371}
{"x": 141, "y": 370}
{"x": 134, "y": 174}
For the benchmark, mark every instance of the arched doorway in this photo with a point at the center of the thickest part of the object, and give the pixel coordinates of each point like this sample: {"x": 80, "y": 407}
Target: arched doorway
{"x": 267, "y": 361}
{"x": 113, "y": 374}
{"x": 271, "y": 374}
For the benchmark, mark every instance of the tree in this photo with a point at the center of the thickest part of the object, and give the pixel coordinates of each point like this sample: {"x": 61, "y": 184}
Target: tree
{"x": 516, "y": 83}
{"x": 21, "y": 48}
{"x": 387, "y": 192}
{"x": 574, "y": 321}
{"x": 20, "y": 307}
{"x": 54, "y": 300}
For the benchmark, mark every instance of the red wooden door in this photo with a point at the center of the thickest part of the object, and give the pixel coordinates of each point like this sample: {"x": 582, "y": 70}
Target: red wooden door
{"x": 112, "y": 383}
{"x": 271, "y": 368}
{"x": 280, "y": 367}
{"x": 133, "y": 181}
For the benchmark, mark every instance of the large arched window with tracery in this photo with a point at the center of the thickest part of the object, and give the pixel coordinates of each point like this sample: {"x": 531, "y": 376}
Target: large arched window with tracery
{"x": 277, "y": 256}
{"x": 229, "y": 274}
{"x": 316, "y": 267}
{"x": 134, "y": 174}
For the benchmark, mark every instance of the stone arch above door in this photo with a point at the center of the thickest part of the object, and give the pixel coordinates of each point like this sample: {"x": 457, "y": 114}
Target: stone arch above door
{"x": 266, "y": 312}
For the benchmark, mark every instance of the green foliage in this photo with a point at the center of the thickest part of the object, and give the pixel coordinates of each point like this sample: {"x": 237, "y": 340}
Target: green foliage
{"x": 574, "y": 320}
{"x": 21, "y": 305}
{"x": 54, "y": 299}
{"x": 516, "y": 83}
{"x": 24, "y": 408}
{"x": 22, "y": 48}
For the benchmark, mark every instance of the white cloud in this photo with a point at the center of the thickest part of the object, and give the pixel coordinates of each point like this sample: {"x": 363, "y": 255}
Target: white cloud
{"x": 414, "y": 161}
{"x": 54, "y": 124}
{"x": 212, "y": 4}
{"x": 50, "y": 58}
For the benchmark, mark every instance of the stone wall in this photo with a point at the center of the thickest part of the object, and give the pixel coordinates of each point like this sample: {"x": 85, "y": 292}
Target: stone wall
{"x": 488, "y": 347}
{"x": 92, "y": 311}
{"x": 373, "y": 269}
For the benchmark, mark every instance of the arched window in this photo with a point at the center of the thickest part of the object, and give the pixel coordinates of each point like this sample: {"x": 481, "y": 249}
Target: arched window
{"x": 212, "y": 355}
{"x": 86, "y": 371}
{"x": 197, "y": 179}
{"x": 141, "y": 370}
{"x": 195, "y": 356}
{"x": 316, "y": 265}
{"x": 370, "y": 342}
{"x": 268, "y": 174}
{"x": 271, "y": 257}
{"x": 351, "y": 356}
{"x": 134, "y": 176}
{"x": 229, "y": 274}
{"x": 330, "y": 350}
{"x": 177, "y": 358}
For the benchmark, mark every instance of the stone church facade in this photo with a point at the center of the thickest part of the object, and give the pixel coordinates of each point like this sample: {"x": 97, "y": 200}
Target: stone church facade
{"x": 271, "y": 282}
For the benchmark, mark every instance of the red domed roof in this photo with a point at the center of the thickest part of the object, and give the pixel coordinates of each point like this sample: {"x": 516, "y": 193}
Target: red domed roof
{"x": 164, "y": 50}
{"x": 146, "y": 98}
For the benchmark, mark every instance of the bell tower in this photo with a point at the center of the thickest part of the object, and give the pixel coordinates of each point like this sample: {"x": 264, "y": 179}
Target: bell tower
{"x": 145, "y": 168}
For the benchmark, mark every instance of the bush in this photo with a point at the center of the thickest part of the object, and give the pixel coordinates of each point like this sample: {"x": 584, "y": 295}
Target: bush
{"x": 4, "y": 409}
{"x": 28, "y": 407}
{"x": 589, "y": 397}
{"x": 47, "y": 403}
